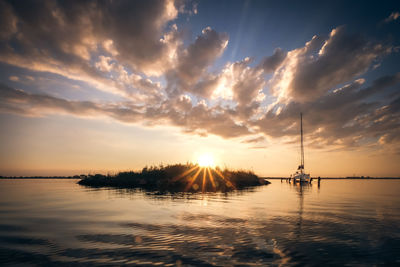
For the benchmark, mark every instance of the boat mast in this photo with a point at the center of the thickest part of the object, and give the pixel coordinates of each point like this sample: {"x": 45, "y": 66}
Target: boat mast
{"x": 302, "y": 147}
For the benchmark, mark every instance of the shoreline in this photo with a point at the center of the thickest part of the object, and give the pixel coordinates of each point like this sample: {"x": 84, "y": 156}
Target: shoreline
{"x": 340, "y": 178}
{"x": 268, "y": 178}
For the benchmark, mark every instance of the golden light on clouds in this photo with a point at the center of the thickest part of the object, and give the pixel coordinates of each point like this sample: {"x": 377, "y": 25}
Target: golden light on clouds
{"x": 113, "y": 74}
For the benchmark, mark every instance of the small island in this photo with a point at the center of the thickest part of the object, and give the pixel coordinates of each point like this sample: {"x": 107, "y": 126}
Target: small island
{"x": 178, "y": 178}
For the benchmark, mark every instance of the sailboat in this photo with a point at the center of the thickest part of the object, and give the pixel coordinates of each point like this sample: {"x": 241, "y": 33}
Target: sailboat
{"x": 300, "y": 175}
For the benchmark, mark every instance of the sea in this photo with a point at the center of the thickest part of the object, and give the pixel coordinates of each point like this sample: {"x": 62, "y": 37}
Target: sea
{"x": 56, "y": 222}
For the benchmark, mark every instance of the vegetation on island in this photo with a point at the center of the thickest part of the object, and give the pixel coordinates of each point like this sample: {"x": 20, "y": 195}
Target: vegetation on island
{"x": 177, "y": 178}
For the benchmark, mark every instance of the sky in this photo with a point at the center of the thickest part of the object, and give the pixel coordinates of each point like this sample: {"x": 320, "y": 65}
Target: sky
{"x": 107, "y": 86}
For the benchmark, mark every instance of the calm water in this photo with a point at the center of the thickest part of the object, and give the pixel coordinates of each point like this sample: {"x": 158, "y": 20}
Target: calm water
{"x": 57, "y": 222}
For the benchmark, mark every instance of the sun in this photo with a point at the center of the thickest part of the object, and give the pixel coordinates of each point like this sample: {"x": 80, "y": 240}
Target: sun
{"x": 205, "y": 160}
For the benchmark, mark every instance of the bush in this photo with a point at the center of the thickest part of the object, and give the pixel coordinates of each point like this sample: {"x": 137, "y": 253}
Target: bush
{"x": 177, "y": 178}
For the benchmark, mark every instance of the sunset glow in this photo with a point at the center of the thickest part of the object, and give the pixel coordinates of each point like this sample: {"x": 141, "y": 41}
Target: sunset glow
{"x": 117, "y": 85}
{"x": 199, "y": 132}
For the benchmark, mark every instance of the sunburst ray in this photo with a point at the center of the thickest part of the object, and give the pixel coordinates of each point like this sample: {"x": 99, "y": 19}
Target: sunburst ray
{"x": 204, "y": 180}
{"x": 211, "y": 178}
{"x": 225, "y": 179}
{"x": 193, "y": 179}
{"x": 185, "y": 173}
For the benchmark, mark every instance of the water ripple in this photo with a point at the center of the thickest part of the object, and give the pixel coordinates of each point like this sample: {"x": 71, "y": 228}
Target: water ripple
{"x": 278, "y": 224}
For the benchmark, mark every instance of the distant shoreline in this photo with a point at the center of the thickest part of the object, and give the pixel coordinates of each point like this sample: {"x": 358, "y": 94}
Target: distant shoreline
{"x": 341, "y": 178}
{"x": 38, "y": 177}
{"x": 268, "y": 178}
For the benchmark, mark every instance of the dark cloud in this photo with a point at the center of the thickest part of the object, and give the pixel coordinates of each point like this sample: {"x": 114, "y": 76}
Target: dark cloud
{"x": 135, "y": 28}
{"x": 343, "y": 117}
{"x": 199, "y": 55}
{"x": 22, "y": 103}
{"x": 206, "y": 86}
{"x": 70, "y": 30}
{"x": 271, "y": 63}
{"x": 198, "y": 119}
{"x": 65, "y": 37}
{"x": 193, "y": 62}
{"x": 8, "y": 21}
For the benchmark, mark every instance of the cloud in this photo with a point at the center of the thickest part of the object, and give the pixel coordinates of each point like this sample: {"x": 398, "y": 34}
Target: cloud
{"x": 254, "y": 140}
{"x": 258, "y": 147}
{"x": 271, "y": 63}
{"x": 135, "y": 87}
{"x": 247, "y": 82}
{"x": 199, "y": 55}
{"x": 8, "y": 21}
{"x": 69, "y": 34}
{"x": 243, "y": 85}
{"x": 321, "y": 65}
{"x": 197, "y": 119}
{"x": 236, "y": 82}
{"x": 114, "y": 46}
{"x": 392, "y": 17}
{"x": 14, "y": 78}
{"x": 22, "y": 103}
{"x": 343, "y": 118}
{"x": 135, "y": 28}
{"x": 133, "y": 49}
{"x": 193, "y": 62}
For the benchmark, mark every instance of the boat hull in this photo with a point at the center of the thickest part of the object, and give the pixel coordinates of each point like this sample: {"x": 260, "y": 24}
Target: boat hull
{"x": 301, "y": 178}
